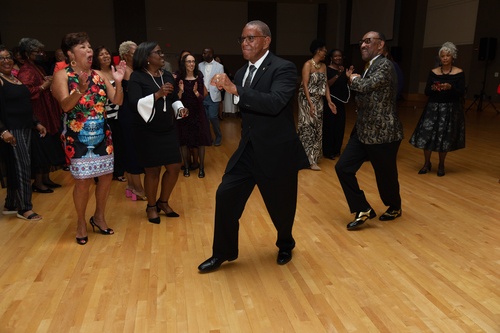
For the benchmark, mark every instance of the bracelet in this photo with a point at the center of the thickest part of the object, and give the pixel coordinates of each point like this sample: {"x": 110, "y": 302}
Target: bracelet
{"x": 1, "y": 135}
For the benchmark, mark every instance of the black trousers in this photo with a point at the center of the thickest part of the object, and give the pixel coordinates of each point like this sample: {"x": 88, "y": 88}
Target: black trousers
{"x": 383, "y": 159}
{"x": 279, "y": 194}
{"x": 333, "y": 129}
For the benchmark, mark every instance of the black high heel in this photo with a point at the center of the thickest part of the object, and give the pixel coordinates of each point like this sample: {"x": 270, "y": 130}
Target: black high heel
{"x": 201, "y": 173}
{"x": 169, "y": 214}
{"x": 426, "y": 168}
{"x": 108, "y": 231}
{"x": 82, "y": 240}
{"x": 155, "y": 220}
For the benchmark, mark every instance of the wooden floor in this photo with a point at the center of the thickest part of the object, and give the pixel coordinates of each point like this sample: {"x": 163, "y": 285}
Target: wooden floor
{"x": 435, "y": 269}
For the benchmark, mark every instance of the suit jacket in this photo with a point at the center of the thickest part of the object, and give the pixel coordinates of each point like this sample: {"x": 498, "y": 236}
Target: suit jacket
{"x": 267, "y": 118}
{"x": 376, "y": 96}
{"x": 217, "y": 68}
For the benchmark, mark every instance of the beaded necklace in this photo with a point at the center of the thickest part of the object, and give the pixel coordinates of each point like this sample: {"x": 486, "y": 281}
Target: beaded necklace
{"x": 10, "y": 78}
{"x": 159, "y": 87}
{"x": 451, "y": 69}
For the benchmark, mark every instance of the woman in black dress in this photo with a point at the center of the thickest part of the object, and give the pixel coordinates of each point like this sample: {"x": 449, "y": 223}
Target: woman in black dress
{"x": 153, "y": 95}
{"x": 441, "y": 127}
{"x": 194, "y": 131}
{"x": 334, "y": 124}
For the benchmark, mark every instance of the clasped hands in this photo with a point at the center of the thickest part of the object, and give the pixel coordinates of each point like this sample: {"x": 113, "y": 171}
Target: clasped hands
{"x": 436, "y": 86}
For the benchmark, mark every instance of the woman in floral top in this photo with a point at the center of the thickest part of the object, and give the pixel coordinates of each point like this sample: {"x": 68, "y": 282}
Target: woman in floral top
{"x": 82, "y": 94}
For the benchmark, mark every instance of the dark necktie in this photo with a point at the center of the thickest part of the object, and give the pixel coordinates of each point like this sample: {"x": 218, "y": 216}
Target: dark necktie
{"x": 248, "y": 80}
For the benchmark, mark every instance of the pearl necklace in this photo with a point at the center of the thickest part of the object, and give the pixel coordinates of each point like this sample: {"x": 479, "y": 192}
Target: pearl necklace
{"x": 451, "y": 68}
{"x": 11, "y": 78}
{"x": 159, "y": 87}
{"x": 317, "y": 66}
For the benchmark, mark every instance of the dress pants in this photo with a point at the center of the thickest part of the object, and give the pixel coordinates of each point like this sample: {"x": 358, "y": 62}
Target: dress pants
{"x": 383, "y": 158}
{"x": 279, "y": 194}
{"x": 212, "y": 111}
{"x": 19, "y": 172}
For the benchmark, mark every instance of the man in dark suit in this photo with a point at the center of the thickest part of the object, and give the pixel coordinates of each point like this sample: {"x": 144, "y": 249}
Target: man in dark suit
{"x": 376, "y": 136}
{"x": 269, "y": 154}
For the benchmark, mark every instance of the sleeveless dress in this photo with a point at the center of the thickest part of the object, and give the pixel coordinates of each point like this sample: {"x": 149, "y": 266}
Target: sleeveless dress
{"x": 87, "y": 138}
{"x": 310, "y": 128}
{"x": 441, "y": 127}
{"x": 193, "y": 130}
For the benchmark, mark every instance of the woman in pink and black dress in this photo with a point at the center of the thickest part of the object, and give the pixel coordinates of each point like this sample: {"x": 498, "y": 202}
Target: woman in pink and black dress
{"x": 194, "y": 131}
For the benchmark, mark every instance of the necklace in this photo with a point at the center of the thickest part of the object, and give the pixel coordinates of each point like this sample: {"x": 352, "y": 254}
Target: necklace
{"x": 317, "y": 66}
{"x": 451, "y": 68}
{"x": 159, "y": 87}
{"x": 11, "y": 78}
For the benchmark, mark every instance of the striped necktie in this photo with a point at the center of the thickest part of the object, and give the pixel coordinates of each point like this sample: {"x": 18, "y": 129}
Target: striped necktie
{"x": 248, "y": 80}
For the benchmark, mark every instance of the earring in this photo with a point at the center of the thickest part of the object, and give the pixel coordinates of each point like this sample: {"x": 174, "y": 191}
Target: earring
{"x": 148, "y": 62}
{"x": 73, "y": 63}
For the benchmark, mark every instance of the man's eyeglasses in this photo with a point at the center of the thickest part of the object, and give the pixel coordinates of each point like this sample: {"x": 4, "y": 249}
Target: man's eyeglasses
{"x": 249, "y": 39}
{"x": 9, "y": 58}
{"x": 159, "y": 52}
{"x": 367, "y": 40}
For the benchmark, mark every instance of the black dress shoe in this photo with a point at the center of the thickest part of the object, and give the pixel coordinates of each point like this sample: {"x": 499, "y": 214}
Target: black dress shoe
{"x": 35, "y": 188}
{"x": 52, "y": 185}
{"x": 284, "y": 257}
{"x": 426, "y": 168}
{"x": 440, "y": 172}
{"x": 390, "y": 214}
{"x": 211, "y": 264}
{"x": 361, "y": 217}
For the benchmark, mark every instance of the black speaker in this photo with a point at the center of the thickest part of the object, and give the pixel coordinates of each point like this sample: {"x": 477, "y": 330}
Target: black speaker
{"x": 487, "y": 48}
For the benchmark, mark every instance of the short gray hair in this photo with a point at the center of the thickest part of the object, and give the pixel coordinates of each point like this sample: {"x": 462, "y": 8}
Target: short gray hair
{"x": 264, "y": 28}
{"x": 28, "y": 45}
{"x": 125, "y": 47}
{"x": 450, "y": 48}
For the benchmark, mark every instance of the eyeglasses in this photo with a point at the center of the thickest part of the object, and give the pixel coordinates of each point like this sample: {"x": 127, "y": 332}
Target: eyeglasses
{"x": 249, "y": 39}
{"x": 367, "y": 40}
{"x": 9, "y": 58}
{"x": 38, "y": 52}
{"x": 159, "y": 52}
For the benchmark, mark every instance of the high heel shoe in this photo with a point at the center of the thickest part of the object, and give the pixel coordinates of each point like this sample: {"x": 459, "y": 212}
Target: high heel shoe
{"x": 426, "y": 168}
{"x": 155, "y": 220}
{"x": 201, "y": 173}
{"x": 136, "y": 196}
{"x": 128, "y": 193}
{"x": 169, "y": 214}
{"x": 82, "y": 240}
{"x": 108, "y": 231}
{"x": 440, "y": 172}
